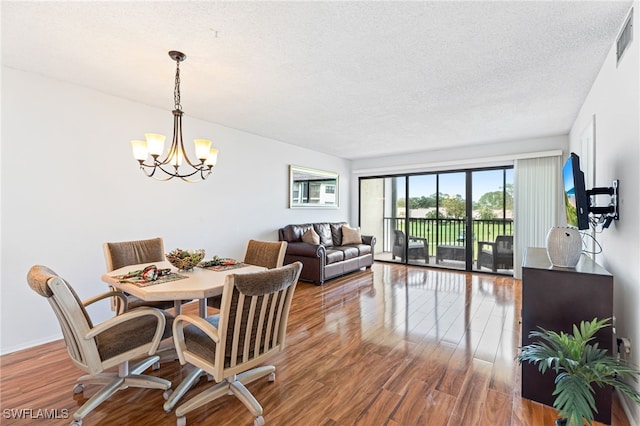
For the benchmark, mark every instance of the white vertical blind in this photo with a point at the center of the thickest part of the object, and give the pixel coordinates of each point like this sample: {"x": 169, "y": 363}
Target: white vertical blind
{"x": 538, "y": 203}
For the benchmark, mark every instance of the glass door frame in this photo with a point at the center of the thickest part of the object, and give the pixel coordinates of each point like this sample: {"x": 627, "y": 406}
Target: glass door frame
{"x": 468, "y": 219}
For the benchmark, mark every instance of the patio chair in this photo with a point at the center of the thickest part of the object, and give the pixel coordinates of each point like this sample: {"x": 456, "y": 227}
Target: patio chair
{"x": 418, "y": 247}
{"x": 496, "y": 254}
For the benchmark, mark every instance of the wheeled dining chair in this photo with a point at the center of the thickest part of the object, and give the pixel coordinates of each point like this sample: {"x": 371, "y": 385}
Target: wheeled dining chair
{"x": 95, "y": 348}
{"x": 120, "y": 254}
{"x": 268, "y": 254}
{"x": 123, "y": 253}
{"x": 231, "y": 345}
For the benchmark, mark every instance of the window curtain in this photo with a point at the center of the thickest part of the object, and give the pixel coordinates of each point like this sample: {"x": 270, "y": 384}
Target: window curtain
{"x": 538, "y": 204}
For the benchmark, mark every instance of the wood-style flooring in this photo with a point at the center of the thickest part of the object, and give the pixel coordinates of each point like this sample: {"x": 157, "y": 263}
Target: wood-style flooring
{"x": 393, "y": 345}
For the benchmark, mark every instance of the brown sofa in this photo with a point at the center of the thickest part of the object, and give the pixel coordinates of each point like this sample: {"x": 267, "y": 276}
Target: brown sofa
{"x": 330, "y": 258}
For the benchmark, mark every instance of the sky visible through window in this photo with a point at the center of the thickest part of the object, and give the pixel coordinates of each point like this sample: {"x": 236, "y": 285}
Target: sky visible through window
{"x": 454, "y": 183}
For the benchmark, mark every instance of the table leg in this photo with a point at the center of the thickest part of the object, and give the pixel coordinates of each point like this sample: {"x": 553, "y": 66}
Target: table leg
{"x": 177, "y": 305}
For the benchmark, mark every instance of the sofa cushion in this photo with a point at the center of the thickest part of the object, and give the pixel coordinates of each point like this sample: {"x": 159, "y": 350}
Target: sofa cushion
{"x": 311, "y": 236}
{"x": 324, "y": 231}
{"x": 336, "y": 232}
{"x": 363, "y": 249}
{"x": 349, "y": 251}
{"x": 351, "y": 235}
{"x": 334, "y": 256}
{"x": 293, "y": 233}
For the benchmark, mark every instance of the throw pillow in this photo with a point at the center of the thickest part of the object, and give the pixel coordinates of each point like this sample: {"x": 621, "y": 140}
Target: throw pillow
{"x": 311, "y": 236}
{"x": 351, "y": 235}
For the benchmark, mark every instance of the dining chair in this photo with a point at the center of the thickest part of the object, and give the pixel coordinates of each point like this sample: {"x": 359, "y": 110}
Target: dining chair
{"x": 94, "y": 349}
{"x": 233, "y": 345}
{"x": 123, "y": 253}
{"x": 268, "y": 254}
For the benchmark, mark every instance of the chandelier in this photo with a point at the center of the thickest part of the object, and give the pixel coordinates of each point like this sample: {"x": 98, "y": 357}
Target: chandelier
{"x": 172, "y": 164}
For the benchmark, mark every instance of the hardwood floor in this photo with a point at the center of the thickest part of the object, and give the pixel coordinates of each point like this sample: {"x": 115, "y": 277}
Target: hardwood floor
{"x": 392, "y": 346}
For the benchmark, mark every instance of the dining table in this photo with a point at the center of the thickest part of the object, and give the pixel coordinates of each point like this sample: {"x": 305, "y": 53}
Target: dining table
{"x": 199, "y": 283}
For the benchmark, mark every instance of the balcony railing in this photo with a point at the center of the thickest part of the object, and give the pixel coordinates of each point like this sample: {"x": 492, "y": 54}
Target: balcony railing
{"x": 445, "y": 231}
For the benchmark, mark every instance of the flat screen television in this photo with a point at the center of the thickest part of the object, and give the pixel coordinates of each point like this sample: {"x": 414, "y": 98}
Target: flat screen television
{"x": 575, "y": 195}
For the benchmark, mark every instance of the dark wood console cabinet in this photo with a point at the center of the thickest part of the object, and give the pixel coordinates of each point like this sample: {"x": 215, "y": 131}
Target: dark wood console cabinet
{"x": 555, "y": 299}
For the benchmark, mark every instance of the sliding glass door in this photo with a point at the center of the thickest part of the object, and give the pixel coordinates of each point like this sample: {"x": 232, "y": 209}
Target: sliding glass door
{"x": 457, "y": 220}
{"x": 493, "y": 220}
{"x": 451, "y": 221}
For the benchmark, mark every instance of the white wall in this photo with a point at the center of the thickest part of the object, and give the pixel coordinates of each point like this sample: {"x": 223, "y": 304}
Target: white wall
{"x": 614, "y": 100}
{"x": 70, "y": 183}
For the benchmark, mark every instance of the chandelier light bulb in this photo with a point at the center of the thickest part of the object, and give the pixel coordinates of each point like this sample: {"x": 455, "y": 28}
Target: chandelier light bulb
{"x": 140, "y": 152}
{"x": 212, "y": 159}
{"x": 203, "y": 146}
{"x": 155, "y": 143}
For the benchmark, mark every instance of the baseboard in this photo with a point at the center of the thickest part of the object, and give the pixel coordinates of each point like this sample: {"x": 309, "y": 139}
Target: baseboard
{"x": 624, "y": 401}
{"x": 31, "y": 344}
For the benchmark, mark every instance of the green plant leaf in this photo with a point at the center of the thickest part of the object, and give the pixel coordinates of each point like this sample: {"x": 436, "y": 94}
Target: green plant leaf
{"x": 574, "y": 398}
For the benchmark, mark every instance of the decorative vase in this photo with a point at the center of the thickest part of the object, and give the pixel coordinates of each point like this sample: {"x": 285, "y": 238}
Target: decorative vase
{"x": 564, "y": 246}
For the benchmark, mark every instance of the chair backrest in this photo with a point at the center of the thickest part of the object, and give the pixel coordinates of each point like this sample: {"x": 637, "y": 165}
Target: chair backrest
{"x": 72, "y": 316}
{"x": 253, "y": 316}
{"x": 504, "y": 243}
{"x": 119, "y": 254}
{"x": 268, "y": 254}
{"x": 399, "y": 238}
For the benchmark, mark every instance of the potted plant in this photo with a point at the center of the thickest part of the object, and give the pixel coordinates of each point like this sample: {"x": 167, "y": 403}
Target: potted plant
{"x": 578, "y": 365}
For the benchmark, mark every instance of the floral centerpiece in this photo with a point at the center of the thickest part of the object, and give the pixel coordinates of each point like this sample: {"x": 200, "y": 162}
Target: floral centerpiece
{"x": 185, "y": 260}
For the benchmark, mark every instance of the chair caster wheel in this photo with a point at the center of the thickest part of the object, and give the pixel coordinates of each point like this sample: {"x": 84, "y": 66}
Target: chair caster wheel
{"x": 181, "y": 421}
{"x": 156, "y": 366}
{"x": 272, "y": 377}
{"x": 166, "y": 394}
{"x": 78, "y": 388}
{"x": 76, "y": 423}
{"x": 259, "y": 421}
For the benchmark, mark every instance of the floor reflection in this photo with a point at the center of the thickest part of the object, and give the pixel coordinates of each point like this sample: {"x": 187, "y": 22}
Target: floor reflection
{"x": 475, "y": 314}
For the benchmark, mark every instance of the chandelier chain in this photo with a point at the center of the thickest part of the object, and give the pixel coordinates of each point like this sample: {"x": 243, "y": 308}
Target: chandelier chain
{"x": 176, "y": 90}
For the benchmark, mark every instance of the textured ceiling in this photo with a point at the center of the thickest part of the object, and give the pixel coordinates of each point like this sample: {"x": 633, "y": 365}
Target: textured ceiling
{"x": 352, "y": 79}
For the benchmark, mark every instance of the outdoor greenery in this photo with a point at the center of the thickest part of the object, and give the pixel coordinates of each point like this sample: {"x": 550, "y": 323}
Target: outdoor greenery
{"x": 446, "y": 225}
{"x": 454, "y": 206}
{"x": 578, "y": 365}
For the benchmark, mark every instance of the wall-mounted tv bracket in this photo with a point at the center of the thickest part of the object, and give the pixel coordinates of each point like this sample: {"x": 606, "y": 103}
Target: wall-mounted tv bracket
{"x": 608, "y": 213}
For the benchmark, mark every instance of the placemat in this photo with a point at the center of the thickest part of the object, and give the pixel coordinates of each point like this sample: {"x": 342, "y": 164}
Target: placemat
{"x": 224, "y": 267}
{"x": 141, "y": 282}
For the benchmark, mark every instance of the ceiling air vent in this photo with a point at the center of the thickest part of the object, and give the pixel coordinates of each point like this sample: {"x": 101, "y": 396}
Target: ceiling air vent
{"x": 625, "y": 37}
